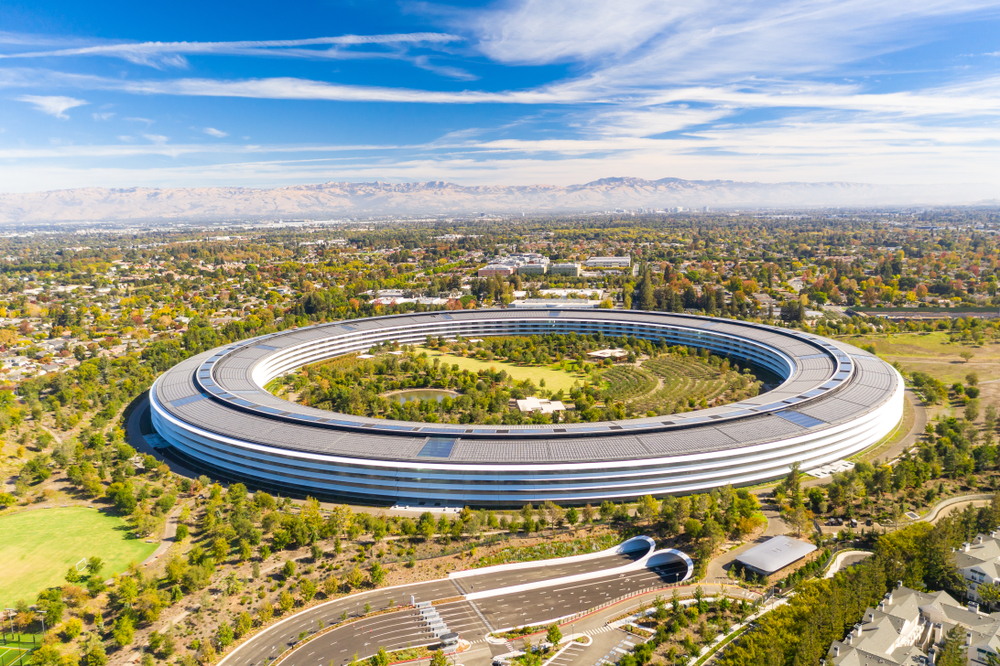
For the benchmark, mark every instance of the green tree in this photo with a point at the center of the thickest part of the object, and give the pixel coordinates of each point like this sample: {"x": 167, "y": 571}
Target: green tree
{"x": 438, "y": 658}
{"x": 953, "y": 651}
{"x": 380, "y": 658}
{"x": 553, "y": 635}
{"x": 307, "y": 588}
{"x": 93, "y": 652}
{"x": 376, "y": 574}
{"x": 124, "y": 631}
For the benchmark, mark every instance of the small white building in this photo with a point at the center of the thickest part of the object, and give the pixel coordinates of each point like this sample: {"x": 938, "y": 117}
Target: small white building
{"x": 533, "y": 404}
{"x": 615, "y": 353}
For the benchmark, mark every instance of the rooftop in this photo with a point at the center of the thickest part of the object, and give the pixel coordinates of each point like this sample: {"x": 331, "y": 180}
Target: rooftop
{"x": 775, "y": 554}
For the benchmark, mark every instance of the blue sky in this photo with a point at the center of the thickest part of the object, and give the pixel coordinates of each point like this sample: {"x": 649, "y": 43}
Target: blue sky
{"x": 118, "y": 94}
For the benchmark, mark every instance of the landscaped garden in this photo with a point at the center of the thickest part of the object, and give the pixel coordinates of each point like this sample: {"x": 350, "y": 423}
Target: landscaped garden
{"x": 479, "y": 380}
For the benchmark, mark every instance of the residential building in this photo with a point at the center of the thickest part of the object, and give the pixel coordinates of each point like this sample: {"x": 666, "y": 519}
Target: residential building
{"x": 910, "y": 627}
{"x": 979, "y": 563}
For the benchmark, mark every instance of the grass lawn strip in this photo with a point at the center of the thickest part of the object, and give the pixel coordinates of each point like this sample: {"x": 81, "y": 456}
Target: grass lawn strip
{"x": 37, "y": 547}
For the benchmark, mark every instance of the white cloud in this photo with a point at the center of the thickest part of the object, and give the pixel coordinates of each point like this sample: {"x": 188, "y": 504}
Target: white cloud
{"x": 157, "y": 138}
{"x": 105, "y": 115}
{"x": 172, "y": 54}
{"x": 218, "y": 134}
{"x": 53, "y": 105}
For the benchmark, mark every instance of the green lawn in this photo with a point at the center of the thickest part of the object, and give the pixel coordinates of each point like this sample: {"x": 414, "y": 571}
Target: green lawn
{"x": 933, "y": 354}
{"x": 554, "y": 379}
{"x": 38, "y": 547}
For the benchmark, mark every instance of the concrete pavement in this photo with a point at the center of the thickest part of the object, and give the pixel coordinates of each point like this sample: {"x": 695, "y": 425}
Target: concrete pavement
{"x": 473, "y": 620}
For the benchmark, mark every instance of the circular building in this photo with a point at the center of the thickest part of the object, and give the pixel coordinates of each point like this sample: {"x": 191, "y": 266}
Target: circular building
{"x": 214, "y": 415}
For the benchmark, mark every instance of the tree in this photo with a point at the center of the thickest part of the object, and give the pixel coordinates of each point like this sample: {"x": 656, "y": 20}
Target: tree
{"x": 376, "y": 574}
{"x": 553, "y": 635}
{"x": 380, "y": 658}
{"x": 72, "y": 628}
{"x": 989, "y": 593}
{"x": 286, "y": 601}
{"x": 572, "y": 516}
{"x": 307, "y": 588}
{"x": 953, "y": 651}
{"x": 47, "y": 655}
{"x": 289, "y": 569}
{"x": 438, "y": 658}
{"x": 124, "y": 631}
{"x": 330, "y": 585}
{"x": 966, "y": 356}
{"x": 354, "y": 578}
{"x": 93, "y": 653}
{"x": 94, "y": 566}
{"x": 647, "y": 301}
{"x": 224, "y": 635}
{"x": 220, "y": 548}
{"x": 648, "y": 507}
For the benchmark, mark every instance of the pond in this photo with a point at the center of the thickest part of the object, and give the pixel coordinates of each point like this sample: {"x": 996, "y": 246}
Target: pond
{"x": 403, "y": 397}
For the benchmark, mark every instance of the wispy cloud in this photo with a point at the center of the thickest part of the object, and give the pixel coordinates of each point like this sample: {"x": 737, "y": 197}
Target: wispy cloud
{"x": 53, "y": 105}
{"x": 104, "y": 115}
{"x": 218, "y": 134}
{"x": 172, "y": 54}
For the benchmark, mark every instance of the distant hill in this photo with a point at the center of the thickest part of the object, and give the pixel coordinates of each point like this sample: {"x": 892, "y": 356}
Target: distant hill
{"x": 363, "y": 199}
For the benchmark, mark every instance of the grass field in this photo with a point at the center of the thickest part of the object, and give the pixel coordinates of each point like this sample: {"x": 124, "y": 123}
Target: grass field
{"x": 38, "y": 547}
{"x": 554, "y": 379}
{"x": 933, "y": 354}
{"x": 10, "y": 655}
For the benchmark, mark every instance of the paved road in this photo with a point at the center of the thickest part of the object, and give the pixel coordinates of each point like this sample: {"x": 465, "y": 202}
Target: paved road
{"x": 139, "y": 423}
{"x": 472, "y": 620}
{"x": 545, "y": 571}
{"x": 846, "y": 559}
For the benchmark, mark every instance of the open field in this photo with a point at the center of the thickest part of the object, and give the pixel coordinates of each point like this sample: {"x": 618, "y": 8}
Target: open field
{"x": 933, "y": 354}
{"x": 38, "y": 547}
{"x": 554, "y": 379}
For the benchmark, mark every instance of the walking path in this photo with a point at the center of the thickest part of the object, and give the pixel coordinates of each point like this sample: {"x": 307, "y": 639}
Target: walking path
{"x": 168, "y": 539}
{"x": 935, "y": 512}
{"x": 841, "y": 561}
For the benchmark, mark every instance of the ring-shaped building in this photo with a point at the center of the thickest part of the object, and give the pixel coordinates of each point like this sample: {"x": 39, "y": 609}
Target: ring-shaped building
{"x": 213, "y": 413}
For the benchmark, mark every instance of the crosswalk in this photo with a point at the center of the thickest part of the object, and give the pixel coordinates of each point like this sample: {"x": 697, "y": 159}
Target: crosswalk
{"x": 600, "y": 630}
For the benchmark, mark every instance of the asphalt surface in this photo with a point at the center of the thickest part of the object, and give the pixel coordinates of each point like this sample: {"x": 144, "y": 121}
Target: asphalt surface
{"x": 495, "y": 581}
{"x": 472, "y": 620}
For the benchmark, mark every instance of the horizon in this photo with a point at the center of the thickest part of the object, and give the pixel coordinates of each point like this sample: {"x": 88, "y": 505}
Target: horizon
{"x": 502, "y": 93}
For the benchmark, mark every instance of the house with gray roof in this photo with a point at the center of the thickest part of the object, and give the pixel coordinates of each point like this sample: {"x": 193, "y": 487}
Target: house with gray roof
{"x": 910, "y": 627}
{"x": 979, "y": 563}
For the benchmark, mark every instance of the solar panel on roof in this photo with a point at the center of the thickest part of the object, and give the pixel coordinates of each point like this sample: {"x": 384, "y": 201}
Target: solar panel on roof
{"x": 798, "y": 418}
{"x": 436, "y": 448}
{"x": 186, "y": 401}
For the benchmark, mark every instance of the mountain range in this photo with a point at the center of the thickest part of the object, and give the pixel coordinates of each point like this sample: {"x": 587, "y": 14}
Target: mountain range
{"x": 339, "y": 200}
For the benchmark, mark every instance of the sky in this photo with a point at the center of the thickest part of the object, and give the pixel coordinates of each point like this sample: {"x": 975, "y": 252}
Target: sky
{"x": 515, "y": 92}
